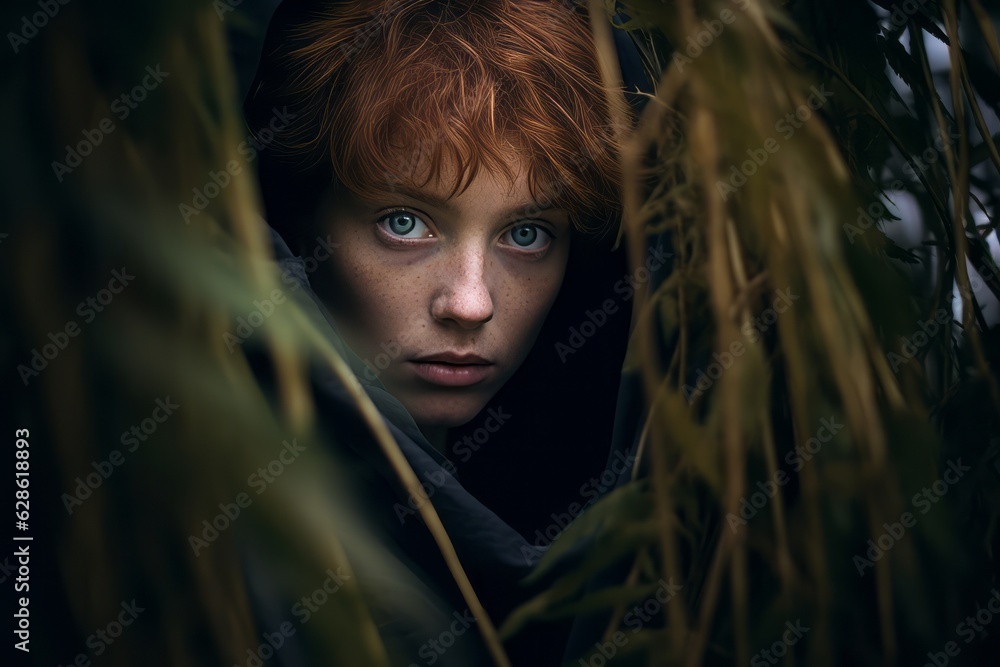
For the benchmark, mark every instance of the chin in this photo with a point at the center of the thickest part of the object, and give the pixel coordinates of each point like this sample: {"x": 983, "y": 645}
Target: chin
{"x": 445, "y": 411}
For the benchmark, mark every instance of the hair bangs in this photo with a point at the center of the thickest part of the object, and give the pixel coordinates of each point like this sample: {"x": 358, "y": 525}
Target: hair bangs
{"x": 400, "y": 94}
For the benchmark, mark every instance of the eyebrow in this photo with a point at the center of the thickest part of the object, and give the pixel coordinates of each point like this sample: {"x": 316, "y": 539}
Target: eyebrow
{"x": 446, "y": 204}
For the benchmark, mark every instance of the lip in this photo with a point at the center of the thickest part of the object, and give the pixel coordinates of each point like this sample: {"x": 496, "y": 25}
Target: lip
{"x": 450, "y": 369}
{"x": 454, "y": 358}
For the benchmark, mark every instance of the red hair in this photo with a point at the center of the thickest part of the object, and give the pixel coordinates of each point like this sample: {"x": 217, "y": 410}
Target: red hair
{"x": 391, "y": 91}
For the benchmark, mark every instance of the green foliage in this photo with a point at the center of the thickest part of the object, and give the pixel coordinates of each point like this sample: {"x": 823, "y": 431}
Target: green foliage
{"x": 817, "y": 407}
{"x": 819, "y": 402}
{"x": 113, "y": 196}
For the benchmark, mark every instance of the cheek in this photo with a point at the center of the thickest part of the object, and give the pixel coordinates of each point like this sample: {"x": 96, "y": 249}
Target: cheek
{"x": 376, "y": 302}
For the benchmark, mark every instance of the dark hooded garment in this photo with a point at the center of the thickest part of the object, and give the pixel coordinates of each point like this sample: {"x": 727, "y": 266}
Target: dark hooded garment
{"x": 494, "y": 555}
{"x": 558, "y": 438}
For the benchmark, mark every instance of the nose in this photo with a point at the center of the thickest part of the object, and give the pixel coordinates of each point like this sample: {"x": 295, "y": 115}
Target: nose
{"x": 464, "y": 296}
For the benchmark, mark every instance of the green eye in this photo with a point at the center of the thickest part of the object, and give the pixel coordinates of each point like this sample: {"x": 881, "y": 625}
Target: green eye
{"x": 524, "y": 236}
{"x": 404, "y": 224}
{"x": 528, "y": 237}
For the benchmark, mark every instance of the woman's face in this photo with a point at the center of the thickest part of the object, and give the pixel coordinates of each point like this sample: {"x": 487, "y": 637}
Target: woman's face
{"x": 443, "y": 299}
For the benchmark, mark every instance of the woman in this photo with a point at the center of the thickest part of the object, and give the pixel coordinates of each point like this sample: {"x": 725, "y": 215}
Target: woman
{"x": 454, "y": 156}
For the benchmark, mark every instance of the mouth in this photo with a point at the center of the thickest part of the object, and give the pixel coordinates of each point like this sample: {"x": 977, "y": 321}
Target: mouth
{"x": 450, "y": 369}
